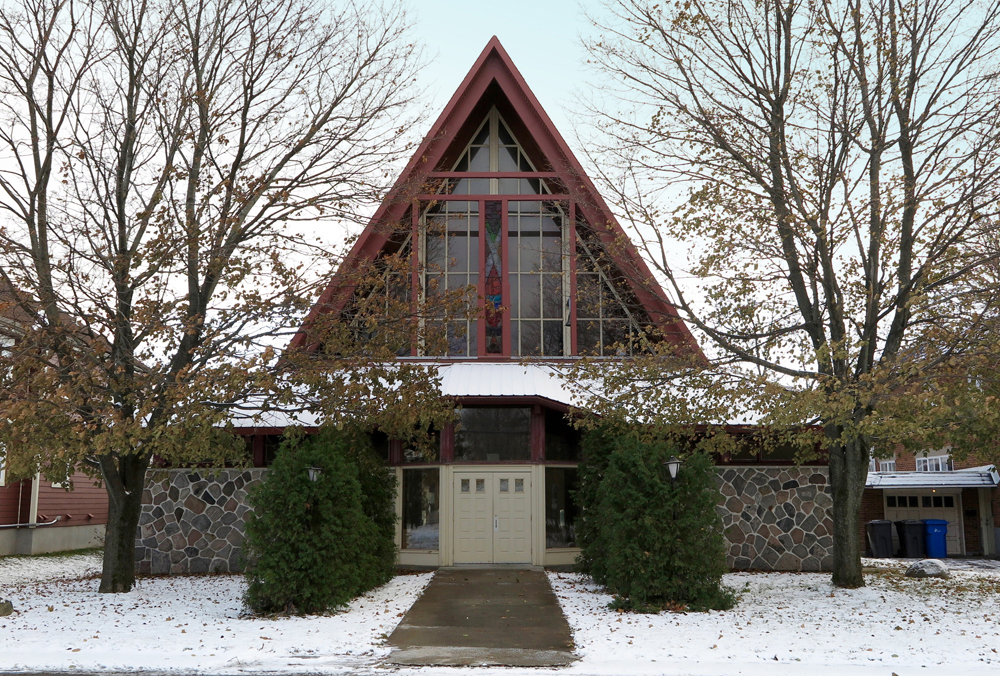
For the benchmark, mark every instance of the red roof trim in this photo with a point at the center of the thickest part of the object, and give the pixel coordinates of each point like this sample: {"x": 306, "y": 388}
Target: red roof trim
{"x": 495, "y": 65}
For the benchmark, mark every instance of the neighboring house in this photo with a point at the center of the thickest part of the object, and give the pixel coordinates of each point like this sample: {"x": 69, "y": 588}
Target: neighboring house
{"x": 930, "y": 485}
{"x": 36, "y": 515}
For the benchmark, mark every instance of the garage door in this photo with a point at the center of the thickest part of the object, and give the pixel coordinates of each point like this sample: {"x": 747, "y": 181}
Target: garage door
{"x": 928, "y": 504}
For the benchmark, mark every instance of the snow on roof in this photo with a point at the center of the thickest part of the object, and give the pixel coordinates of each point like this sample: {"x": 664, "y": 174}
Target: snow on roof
{"x": 467, "y": 379}
{"x": 460, "y": 379}
{"x": 977, "y": 477}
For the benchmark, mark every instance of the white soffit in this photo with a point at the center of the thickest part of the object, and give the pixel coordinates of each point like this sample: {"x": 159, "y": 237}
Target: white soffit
{"x": 979, "y": 477}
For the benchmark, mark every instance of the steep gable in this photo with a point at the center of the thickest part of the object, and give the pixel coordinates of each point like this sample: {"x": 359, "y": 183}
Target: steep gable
{"x": 493, "y": 201}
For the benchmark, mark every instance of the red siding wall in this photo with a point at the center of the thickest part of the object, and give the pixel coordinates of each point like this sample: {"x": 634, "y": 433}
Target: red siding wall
{"x": 85, "y": 505}
{"x": 9, "y": 502}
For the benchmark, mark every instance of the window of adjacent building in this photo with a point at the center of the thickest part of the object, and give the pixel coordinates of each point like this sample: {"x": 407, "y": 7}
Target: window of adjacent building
{"x": 939, "y": 463}
{"x": 421, "y": 509}
{"x": 887, "y": 465}
{"x": 493, "y": 435}
{"x": 560, "y": 508}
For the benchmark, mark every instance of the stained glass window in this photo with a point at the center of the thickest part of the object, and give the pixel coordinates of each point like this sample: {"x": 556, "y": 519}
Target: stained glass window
{"x": 494, "y": 279}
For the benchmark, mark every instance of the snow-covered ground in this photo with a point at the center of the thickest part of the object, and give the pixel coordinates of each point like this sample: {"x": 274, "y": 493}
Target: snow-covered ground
{"x": 798, "y": 623}
{"x": 785, "y": 624}
{"x": 180, "y": 623}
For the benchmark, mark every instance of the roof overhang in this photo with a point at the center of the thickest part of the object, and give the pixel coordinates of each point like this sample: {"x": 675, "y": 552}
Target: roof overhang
{"x": 977, "y": 477}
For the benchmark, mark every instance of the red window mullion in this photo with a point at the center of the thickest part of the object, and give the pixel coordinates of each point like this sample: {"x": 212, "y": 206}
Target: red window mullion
{"x": 481, "y": 284}
{"x": 572, "y": 280}
{"x": 537, "y": 433}
{"x": 414, "y": 276}
{"x": 505, "y": 279}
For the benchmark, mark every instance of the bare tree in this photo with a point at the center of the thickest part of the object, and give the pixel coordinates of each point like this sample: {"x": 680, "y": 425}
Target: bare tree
{"x": 836, "y": 168}
{"x": 158, "y": 162}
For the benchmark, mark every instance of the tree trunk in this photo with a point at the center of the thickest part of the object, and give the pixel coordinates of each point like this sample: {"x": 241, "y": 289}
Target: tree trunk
{"x": 848, "y": 470}
{"x": 124, "y": 508}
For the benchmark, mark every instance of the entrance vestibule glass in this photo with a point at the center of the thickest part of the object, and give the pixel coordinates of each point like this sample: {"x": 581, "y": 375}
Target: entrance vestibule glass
{"x": 421, "y": 505}
{"x": 560, "y": 508}
{"x": 493, "y": 435}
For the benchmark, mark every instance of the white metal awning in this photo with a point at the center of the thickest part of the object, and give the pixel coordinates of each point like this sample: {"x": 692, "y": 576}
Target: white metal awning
{"x": 977, "y": 477}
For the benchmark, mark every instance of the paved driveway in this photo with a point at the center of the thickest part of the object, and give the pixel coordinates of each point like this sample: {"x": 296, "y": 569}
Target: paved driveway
{"x": 480, "y": 616}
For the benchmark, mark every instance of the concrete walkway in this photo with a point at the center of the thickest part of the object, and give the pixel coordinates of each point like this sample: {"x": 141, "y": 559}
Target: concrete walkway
{"x": 484, "y": 616}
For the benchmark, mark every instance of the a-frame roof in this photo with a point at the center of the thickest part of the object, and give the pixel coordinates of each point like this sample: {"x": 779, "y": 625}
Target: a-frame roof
{"x": 494, "y": 79}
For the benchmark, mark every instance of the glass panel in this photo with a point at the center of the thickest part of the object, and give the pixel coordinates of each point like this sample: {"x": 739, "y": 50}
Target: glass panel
{"x": 913, "y": 501}
{"x": 530, "y": 296}
{"x": 421, "y": 517}
{"x": 493, "y": 434}
{"x": 479, "y": 186}
{"x": 949, "y": 501}
{"x": 465, "y": 486}
{"x": 518, "y": 485}
{"x": 505, "y": 136}
{"x": 494, "y": 280}
{"x": 560, "y": 508}
{"x": 890, "y": 501}
{"x": 552, "y": 296}
{"x": 479, "y": 158}
{"x": 526, "y": 166}
{"x": 588, "y": 337}
{"x": 562, "y": 440}
{"x": 927, "y": 501}
{"x": 508, "y": 186}
{"x": 483, "y": 138}
{"x": 504, "y": 485}
{"x": 531, "y": 338}
{"x": 508, "y": 158}
{"x": 529, "y": 186}
{"x": 552, "y": 338}
{"x": 480, "y": 485}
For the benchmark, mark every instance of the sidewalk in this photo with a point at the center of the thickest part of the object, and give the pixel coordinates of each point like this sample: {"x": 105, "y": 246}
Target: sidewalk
{"x": 484, "y": 616}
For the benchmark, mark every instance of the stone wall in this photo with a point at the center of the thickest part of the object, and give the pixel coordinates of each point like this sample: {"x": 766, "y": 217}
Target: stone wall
{"x": 776, "y": 518}
{"x": 193, "y": 520}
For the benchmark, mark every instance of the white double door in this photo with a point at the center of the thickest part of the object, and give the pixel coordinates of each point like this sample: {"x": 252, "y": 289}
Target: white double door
{"x": 492, "y": 517}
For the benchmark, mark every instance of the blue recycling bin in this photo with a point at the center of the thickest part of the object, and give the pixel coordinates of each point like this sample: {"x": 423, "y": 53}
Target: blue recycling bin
{"x": 936, "y": 538}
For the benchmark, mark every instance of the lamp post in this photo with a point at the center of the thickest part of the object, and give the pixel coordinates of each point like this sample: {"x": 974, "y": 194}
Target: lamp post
{"x": 673, "y": 465}
{"x": 314, "y": 473}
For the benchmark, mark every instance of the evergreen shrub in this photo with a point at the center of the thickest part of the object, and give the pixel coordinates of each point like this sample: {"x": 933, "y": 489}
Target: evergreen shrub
{"x": 311, "y": 546}
{"x": 652, "y": 543}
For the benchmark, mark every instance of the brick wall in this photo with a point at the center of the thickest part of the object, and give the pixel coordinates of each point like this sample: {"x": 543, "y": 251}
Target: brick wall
{"x": 970, "y": 521}
{"x": 872, "y": 507}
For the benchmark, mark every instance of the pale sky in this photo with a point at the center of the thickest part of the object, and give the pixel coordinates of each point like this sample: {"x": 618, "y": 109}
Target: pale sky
{"x": 541, "y": 36}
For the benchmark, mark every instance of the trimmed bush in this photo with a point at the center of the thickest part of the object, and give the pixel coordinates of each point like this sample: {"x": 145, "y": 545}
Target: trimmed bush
{"x": 653, "y": 543}
{"x": 315, "y": 545}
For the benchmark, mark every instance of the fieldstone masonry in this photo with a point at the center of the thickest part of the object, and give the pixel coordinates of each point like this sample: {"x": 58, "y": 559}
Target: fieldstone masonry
{"x": 776, "y": 518}
{"x": 193, "y": 520}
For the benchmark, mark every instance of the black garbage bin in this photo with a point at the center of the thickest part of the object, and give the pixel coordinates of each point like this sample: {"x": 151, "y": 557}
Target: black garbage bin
{"x": 911, "y": 539}
{"x": 880, "y": 538}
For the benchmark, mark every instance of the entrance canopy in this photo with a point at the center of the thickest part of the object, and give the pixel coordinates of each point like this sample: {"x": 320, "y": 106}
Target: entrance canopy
{"x": 977, "y": 477}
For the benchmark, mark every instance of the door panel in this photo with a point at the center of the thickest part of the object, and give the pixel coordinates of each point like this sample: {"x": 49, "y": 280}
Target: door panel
{"x": 492, "y": 517}
{"x": 512, "y": 504}
{"x": 473, "y": 518}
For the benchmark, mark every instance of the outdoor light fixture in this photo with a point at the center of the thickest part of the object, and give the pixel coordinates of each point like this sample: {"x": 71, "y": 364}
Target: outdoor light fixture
{"x": 314, "y": 473}
{"x": 672, "y": 466}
